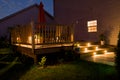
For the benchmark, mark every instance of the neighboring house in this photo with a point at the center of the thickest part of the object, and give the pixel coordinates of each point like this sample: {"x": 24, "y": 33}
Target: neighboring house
{"x": 91, "y": 18}
{"x": 22, "y": 17}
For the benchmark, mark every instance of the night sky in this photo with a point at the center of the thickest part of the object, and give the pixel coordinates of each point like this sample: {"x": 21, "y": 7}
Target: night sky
{"x": 8, "y": 7}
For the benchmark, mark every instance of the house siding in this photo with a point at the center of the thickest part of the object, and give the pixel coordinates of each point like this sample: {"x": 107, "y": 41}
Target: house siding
{"x": 21, "y": 18}
{"x": 106, "y": 12}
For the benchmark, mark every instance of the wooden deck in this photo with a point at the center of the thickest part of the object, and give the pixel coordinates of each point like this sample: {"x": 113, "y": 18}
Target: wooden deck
{"x": 42, "y": 49}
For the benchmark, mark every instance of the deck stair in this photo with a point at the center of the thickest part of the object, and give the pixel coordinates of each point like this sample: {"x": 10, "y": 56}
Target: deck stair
{"x": 89, "y": 49}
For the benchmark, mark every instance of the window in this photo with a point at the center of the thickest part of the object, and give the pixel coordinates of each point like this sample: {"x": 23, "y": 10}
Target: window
{"x": 92, "y": 26}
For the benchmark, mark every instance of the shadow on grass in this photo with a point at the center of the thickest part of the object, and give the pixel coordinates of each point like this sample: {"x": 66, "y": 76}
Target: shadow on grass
{"x": 11, "y": 67}
{"x": 15, "y": 72}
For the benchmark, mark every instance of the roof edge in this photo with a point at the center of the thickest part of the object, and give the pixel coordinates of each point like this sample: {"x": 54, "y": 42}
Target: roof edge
{"x": 27, "y": 8}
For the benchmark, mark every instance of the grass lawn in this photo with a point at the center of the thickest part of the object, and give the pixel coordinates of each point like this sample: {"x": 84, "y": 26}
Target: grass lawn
{"x": 5, "y": 51}
{"x": 77, "y": 70}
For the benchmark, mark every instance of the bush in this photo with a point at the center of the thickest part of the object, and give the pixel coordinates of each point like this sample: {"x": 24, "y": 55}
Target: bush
{"x": 43, "y": 61}
{"x": 117, "y": 59}
{"x": 3, "y": 42}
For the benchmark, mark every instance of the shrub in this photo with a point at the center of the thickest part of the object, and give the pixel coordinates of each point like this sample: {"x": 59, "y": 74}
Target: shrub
{"x": 117, "y": 59}
{"x": 61, "y": 60}
{"x": 43, "y": 61}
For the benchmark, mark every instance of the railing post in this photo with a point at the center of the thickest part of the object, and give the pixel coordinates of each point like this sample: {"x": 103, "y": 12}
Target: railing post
{"x": 72, "y": 32}
{"x": 33, "y": 42}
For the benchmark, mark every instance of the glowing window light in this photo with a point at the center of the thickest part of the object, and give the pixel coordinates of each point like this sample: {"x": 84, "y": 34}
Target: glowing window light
{"x": 92, "y": 23}
{"x": 92, "y": 29}
{"x": 92, "y": 26}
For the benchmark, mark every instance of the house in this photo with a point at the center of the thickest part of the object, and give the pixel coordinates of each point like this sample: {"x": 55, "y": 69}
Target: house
{"x": 33, "y": 37}
{"x": 91, "y": 18}
{"x": 22, "y": 17}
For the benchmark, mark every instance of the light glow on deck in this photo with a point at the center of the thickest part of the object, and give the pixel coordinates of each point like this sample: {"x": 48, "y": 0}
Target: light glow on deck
{"x": 30, "y": 39}
{"x": 43, "y": 46}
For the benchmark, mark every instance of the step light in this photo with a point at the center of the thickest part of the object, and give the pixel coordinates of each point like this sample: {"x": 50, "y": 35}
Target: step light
{"x": 88, "y": 44}
{"x": 105, "y": 51}
{"x": 86, "y": 49}
{"x": 96, "y": 48}
{"x": 94, "y": 53}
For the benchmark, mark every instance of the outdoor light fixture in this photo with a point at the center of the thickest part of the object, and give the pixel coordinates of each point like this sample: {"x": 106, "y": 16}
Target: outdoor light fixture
{"x": 30, "y": 39}
{"x": 18, "y": 39}
{"x": 78, "y": 45}
{"x": 86, "y": 49}
{"x": 94, "y": 53}
{"x": 105, "y": 51}
{"x": 88, "y": 44}
{"x": 96, "y": 48}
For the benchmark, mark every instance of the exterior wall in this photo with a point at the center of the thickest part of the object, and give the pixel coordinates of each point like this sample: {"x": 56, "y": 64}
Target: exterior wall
{"x": 78, "y": 12}
{"x": 21, "y": 18}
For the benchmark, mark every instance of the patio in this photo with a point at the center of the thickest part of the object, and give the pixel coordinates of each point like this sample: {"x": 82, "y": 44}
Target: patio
{"x": 107, "y": 58}
{"x": 96, "y": 53}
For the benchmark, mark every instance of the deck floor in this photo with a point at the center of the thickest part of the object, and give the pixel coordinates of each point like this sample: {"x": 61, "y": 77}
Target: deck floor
{"x": 108, "y": 58}
{"x": 45, "y": 46}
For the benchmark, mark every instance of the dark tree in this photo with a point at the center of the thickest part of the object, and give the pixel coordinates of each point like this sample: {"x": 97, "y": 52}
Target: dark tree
{"x": 117, "y": 59}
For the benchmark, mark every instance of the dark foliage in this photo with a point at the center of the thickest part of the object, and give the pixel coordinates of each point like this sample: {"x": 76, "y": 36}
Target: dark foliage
{"x": 117, "y": 59}
{"x": 3, "y": 42}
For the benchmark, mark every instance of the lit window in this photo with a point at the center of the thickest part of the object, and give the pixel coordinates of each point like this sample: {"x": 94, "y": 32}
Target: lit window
{"x": 92, "y": 26}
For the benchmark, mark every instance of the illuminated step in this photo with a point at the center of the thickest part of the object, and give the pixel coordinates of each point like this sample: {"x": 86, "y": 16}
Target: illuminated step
{"x": 92, "y": 47}
{"x": 99, "y": 51}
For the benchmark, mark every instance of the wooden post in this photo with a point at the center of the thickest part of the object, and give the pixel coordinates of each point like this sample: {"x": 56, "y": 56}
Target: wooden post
{"x": 33, "y": 43}
{"x": 33, "y": 40}
{"x": 72, "y": 33}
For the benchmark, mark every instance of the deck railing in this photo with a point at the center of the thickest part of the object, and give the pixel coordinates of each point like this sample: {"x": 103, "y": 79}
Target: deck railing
{"x": 37, "y": 33}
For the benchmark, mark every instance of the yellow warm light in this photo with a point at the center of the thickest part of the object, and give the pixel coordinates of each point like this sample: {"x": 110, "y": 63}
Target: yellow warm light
{"x": 78, "y": 45}
{"x": 18, "y": 39}
{"x": 92, "y": 23}
{"x": 96, "y": 48}
{"x": 88, "y": 44}
{"x": 37, "y": 39}
{"x": 86, "y": 49}
{"x": 105, "y": 51}
{"x": 30, "y": 39}
{"x": 94, "y": 53}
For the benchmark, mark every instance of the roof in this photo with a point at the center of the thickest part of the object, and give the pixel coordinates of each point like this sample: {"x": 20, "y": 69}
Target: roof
{"x": 25, "y": 9}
